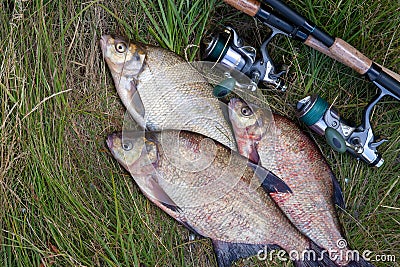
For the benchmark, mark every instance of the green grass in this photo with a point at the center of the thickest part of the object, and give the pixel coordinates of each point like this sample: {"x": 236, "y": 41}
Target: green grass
{"x": 64, "y": 200}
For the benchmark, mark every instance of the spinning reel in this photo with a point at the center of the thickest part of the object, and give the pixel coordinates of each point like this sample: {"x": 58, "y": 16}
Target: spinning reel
{"x": 359, "y": 141}
{"x": 228, "y": 49}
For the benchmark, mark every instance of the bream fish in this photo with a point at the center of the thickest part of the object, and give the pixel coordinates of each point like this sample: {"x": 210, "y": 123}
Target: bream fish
{"x": 213, "y": 191}
{"x": 162, "y": 91}
{"x": 281, "y": 147}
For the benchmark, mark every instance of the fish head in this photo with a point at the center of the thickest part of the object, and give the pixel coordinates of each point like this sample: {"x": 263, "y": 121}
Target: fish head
{"x": 124, "y": 58}
{"x": 126, "y": 62}
{"x": 247, "y": 120}
{"x": 136, "y": 153}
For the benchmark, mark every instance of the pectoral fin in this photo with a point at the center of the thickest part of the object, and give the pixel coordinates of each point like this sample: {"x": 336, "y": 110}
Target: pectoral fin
{"x": 159, "y": 195}
{"x": 229, "y": 252}
{"x": 253, "y": 155}
{"x": 133, "y": 103}
{"x": 269, "y": 181}
{"x": 137, "y": 100}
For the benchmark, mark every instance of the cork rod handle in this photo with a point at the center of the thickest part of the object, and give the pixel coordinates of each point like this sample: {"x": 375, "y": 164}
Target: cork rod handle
{"x": 342, "y": 52}
{"x": 250, "y": 7}
{"x": 348, "y": 55}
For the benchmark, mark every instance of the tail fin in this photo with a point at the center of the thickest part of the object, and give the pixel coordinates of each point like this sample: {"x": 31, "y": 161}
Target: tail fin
{"x": 316, "y": 257}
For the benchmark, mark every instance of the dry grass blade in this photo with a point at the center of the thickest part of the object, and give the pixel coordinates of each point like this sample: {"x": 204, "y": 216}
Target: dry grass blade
{"x": 66, "y": 202}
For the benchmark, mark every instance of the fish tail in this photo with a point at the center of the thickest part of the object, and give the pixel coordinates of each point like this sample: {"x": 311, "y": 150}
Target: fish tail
{"x": 315, "y": 257}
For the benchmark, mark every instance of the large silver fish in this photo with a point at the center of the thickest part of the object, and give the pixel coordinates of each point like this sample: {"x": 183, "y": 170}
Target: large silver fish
{"x": 162, "y": 91}
{"x": 296, "y": 160}
{"x": 213, "y": 191}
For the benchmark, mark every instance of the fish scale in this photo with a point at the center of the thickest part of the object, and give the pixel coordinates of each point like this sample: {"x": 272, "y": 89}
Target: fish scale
{"x": 161, "y": 91}
{"x": 187, "y": 104}
{"x": 297, "y": 161}
{"x": 238, "y": 214}
{"x": 172, "y": 93}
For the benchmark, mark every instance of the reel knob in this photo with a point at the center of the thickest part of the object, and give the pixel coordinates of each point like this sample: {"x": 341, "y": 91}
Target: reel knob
{"x": 335, "y": 140}
{"x": 224, "y": 88}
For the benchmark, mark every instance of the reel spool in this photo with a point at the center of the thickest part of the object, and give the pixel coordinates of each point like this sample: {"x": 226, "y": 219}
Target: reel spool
{"x": 228, "y": 49}
{"x": 323, "y": 119}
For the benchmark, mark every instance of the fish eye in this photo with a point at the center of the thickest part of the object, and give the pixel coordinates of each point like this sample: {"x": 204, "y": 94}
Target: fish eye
{"x": 127, "y": 146}
{"x": 246, "y": 111}
{"x": 120, "y": 47}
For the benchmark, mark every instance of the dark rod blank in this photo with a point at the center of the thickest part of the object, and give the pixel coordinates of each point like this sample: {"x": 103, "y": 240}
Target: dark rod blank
{"x": 300, "y": 21}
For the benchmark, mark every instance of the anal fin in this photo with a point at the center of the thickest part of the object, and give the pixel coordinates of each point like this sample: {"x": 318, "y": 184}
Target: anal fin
{"x": 227, "y": 253}
{"x": 319, "y": 258}
{"x": 337, "y": 193}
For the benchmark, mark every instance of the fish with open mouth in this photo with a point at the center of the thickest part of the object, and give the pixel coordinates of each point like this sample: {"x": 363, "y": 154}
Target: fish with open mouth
{"x": 162, "y": 91}
{"x": 296, "y": 160}
{"x": 214, "y": 192}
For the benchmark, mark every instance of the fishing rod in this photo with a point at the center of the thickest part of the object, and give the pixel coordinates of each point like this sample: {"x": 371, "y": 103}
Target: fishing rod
{"x": 312, "y": 110}
{"x": 313, "y": 36}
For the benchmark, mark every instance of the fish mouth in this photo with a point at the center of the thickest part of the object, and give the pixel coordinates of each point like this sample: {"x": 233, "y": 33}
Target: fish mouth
{"x": 103, "y": 42}
{"x": 232, "y": 104}
{"x": 110, "y": 139}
